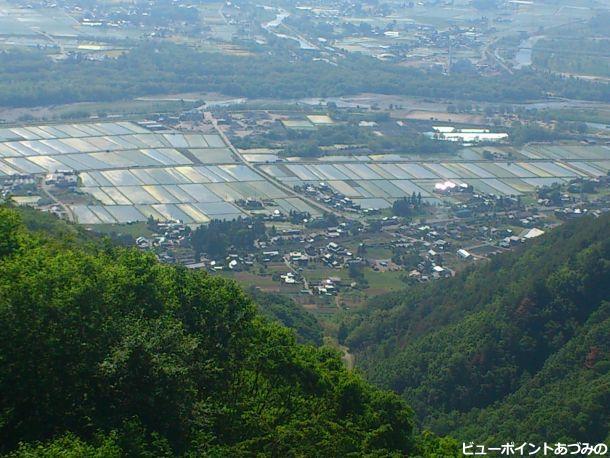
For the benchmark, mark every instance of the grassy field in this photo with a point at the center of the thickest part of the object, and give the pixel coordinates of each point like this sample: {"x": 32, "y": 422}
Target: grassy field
{"x": 382, "y": 282}
{"x": 135, "y": 230}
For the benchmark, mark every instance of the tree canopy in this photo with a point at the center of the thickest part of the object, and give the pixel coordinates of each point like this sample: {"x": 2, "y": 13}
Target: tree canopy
{"x": 106, "y": 352}
{"x": 30, "y": 78}
{"x": 513, "y": 349}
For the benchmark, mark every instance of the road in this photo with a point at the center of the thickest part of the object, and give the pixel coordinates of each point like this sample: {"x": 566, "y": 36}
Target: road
{"x": 294, "y": 271}
{"x": 492, "y": 55}
{"x": 64, "y": 207}
{"x": 208, "y": 116}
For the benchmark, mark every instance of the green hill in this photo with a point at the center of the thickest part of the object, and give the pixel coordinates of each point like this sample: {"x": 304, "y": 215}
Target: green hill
{"x": 515, "y": 349}
{"x": 106, "y": 352}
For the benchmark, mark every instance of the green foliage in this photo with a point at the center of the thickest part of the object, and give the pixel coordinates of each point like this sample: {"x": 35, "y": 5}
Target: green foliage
{"x": 69, "y": 446}
{"x": 513, "y": 349}
{"x": 309, "y": 143}
{"x": 10, "y": 225}
{"x": 560, "y": 55}
{"x": 407, "y": 206}
{"x": 32, "y": 79}
{"x": 106, "y": 352}
{"x": 290, "y": 314}
{"x": 218, "y": 237}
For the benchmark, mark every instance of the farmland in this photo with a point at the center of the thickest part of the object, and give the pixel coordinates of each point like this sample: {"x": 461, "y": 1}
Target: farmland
{"x": 376, "y": 181}
{"x": 127, "y": 172}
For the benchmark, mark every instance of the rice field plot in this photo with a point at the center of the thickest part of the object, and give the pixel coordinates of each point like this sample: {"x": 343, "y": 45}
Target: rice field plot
{"x": 531, "y": 152}
{"x": 8, "y": 135}
{"x": 221, "y": 210}
{"x": 442, "y": 171}
{"x": 246, "y": 189}
{"x": 302, "y": 206}
{"x": 121, "y": 178}
{"x": 329, "y": 171}
{"x": 176, "y": 140}
{"x": 125, "y": 213}
{"x": 480, "y": 185}
{"x": 519, "y": 185}
{"x": 200, "y": 193}
{"x": 589, "y": 168}
{"x": 302, "y": 172}
{"x": 295, "y": 204}
{"x": 48, "y": 163}
{"x": 381, "y": 171}
{"x": 461, "y": 170}
{"x": 194, "y": 174}
{"x": 161, "y": 194}
{"x": 226, "y": 192}
{"x": 116, "y": 195}
{"x": 23, "y": 165}
{"x": 515, "y": 169}
{"x": 391, "y": 189}
{"x": 196, "y": 215}
{"x": 148, "y": 211}
{"x": 348, "y": 172}
{"x": 268, "y": 190}
{"x": 506, "y": 170}
{"x": 138, "y": 195}
{"x": 373, "y": 190}
{"x": 363, "y": 171}
{"x": 418, "y": 171}
{"x": 22, "y": 149}
{"x": 167, "y": 156}
{"x": 555, "y": 169}
{"x": 344, "y": 188}
{"x": 320, "y": 119}
{"x": 390, "y": 170}
{"x": 214, "y": 141}
{"x": 99, "y": 178}
{"x": 238, "y": 172}
{"x": 276, "y": 171}
{"x": 479, "y": 170}
{"x": 573, "y": 170}
{"x": 537, "y": 171}
{"x": 604, "y": 165}
{"x": 7, "y": 151}
{"x": 6, "y": 169}
{"x": 196, "y": 141}
{"x": 213, "y": 155}
{"x": 373, "y": 203}
{"x": 102, "y": 214}
{"x": 410, "y": 187}
{"x": 172, "y": 212}
{"x": 502, "y": 187}
{"x": 361, "y": 190}
{"x": 592, "y": 152}
{"x": 180, "y": 195}
{"x": 215, "y": 174}
{"x": 84, "y": 215}
{"x": 297, "y": 124}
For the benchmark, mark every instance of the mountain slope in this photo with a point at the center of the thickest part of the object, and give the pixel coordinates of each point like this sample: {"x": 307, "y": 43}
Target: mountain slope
{"x": 106, "y": 352}
{"x": 468, "y": 353}
{"x": 290, "y": 314}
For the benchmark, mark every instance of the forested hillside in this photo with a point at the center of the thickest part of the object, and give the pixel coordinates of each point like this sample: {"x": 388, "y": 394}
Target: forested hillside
{"x": 106, "y": 352}
{"x": 515, "y": 349}
{"x": 283, "y": 309}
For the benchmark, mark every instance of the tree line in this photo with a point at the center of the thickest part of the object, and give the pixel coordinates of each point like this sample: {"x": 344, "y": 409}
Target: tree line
{"x": 31, "y": 78}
